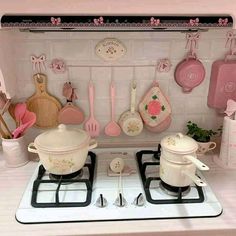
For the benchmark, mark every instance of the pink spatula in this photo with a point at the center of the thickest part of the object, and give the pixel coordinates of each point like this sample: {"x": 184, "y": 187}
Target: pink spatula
{"x": 112, "y": 128}
{"x": 91, "y": 125}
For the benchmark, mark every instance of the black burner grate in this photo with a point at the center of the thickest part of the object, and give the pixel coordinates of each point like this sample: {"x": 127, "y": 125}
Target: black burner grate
{"x": 87, "y": 181}
{"x": 142, "y": 165}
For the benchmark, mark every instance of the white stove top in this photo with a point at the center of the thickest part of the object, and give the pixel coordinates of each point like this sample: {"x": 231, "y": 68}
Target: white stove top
{"x": 108, "y": 187}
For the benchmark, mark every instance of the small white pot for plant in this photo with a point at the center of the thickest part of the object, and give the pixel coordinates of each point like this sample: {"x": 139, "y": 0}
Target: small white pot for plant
{"x": 178, "y": 162}
{"x": 62, "y": 150}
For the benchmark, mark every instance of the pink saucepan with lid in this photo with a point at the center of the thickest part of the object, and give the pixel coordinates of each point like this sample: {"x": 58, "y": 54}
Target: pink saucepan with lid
{"x": 190, "y": 72}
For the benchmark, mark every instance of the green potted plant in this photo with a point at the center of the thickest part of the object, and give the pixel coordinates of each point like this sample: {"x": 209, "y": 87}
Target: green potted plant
{"x": 202, "y": 136}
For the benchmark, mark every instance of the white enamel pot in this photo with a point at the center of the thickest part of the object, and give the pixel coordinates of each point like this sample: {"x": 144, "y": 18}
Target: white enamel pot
{"x": 62, "y": 150}
{"x": 178, "y": 161}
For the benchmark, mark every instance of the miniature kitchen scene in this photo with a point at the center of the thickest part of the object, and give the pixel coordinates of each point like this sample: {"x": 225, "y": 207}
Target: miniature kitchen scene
{"x": 117, "y": 124}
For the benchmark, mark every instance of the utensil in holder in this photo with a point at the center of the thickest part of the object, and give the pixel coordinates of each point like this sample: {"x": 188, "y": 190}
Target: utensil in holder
{"x": 15, "y": 152}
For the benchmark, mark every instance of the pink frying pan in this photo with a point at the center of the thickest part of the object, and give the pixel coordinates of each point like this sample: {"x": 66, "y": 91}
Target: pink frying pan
{"x": 189, "y": 73}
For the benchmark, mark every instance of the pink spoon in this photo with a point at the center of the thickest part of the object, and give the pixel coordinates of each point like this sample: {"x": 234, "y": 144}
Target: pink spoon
{"x": 112, "y": 128}
{"x": 27, "y": 121}
{"x": 19, "y": 112}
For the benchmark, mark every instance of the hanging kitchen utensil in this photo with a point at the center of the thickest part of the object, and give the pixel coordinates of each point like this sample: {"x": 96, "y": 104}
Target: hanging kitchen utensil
{"x": 155, "y": 108}
{"x": 112, "y": 128}
{"x": 190, "y": 72}
{"x": 45, "y": 106}
{"x": 91, "y": 125}
{"x": 130, "y": 121}
{"x": 70, "y": 114}
{"x": 223, "y": 81}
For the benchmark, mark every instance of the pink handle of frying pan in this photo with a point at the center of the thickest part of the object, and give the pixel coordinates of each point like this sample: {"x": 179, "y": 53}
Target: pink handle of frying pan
{"x": 112, "y": 90}
{"x": 91, "y": 98}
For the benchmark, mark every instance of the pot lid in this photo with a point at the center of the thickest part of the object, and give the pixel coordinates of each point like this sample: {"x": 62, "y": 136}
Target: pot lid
{"x": 61, "y": 139}
{"x": 179, "y": 143}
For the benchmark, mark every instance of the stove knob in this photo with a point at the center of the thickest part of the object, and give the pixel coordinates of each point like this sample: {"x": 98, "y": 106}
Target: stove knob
{"x": 101, "y": 201}
{"x": 139, "y": 200}
{"x": 120, "y": 201}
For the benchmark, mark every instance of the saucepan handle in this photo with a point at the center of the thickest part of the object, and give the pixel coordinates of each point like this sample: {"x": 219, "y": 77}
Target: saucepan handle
{"x": 92, "y": 144}
{"x": 32, "y": 148}
{"x": 194, "y": 178}
{"x": 196, "y": 162}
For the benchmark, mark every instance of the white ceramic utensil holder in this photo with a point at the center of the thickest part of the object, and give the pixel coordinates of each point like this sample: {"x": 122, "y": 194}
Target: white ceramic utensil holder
{"x": 15, "y": 152}
{"x": 227, "y": 157}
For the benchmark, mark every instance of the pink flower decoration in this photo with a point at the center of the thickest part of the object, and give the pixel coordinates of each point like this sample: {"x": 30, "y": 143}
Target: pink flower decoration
{"x": 154, "y": 21}
{"x": 56, "y": 21}
{"x": 223, "y": 22}
{"x": 58, "y": 66}
{"x": 154, "y": 108}
{"x": 98, "y": 21}
{"x": 194, "y": 22}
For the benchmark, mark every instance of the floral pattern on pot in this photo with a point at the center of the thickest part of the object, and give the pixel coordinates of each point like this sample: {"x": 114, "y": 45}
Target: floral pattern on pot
{"x": 63, "y": 164}
{"x": 133, "y": 127}
{"x": 154, "y": 107}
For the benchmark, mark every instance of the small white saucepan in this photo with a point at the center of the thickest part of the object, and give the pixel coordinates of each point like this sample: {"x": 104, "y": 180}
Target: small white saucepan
{"x": 178, "y": 161}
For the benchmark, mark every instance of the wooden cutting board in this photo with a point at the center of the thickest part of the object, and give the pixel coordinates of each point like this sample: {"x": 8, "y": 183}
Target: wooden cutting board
{"x": 45, "y": 106}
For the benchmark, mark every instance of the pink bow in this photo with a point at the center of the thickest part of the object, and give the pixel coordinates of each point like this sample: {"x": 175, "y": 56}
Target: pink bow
{"x": 38, "y": 62}
{"x": 231, "y": 107}
{"x": 154, "y": 21}
{"x": 194, "y": 22}
{"x": 69, "y": 92}
{"x": 223, "y": 22}
{"x": 98, "y": 21}
{"x": 192, "y": 40}
{"x": 56, "y": 21}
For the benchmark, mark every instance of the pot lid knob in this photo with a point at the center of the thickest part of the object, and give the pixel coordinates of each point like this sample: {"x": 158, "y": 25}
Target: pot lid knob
{"x": 62, "y": 127}
{"x": 179, "y": 135}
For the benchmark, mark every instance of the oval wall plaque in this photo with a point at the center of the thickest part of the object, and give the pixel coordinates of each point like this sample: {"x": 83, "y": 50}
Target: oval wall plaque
{"x": 110, "y": 49}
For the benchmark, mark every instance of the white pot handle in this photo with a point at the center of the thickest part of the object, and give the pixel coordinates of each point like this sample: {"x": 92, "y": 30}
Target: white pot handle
{"x": 195, "y": 179}
{"x": 92, "y": 144}
{"x": 32, "y": 148}
{"x": 196, "y": 162}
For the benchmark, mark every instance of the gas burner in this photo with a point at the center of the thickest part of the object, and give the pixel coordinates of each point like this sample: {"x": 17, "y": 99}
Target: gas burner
{"x": 73, "y": 176}
{"x": 174, "y": 191}
{"x": 63, "y": 183}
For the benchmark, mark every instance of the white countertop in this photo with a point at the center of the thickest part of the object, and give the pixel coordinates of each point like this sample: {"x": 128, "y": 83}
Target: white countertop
{"x": 13, "y": 182}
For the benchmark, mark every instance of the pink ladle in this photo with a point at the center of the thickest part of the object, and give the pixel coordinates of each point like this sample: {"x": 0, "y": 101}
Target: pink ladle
{"x": 112, "y": 128}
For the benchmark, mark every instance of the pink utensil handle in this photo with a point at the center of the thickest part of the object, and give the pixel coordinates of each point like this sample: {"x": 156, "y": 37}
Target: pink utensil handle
{"x": 91, "y": 98}
{"x": 112, "y": 101}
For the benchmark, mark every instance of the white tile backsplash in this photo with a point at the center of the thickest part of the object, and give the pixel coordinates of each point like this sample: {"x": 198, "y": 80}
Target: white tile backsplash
{"x": 142, "y": 48}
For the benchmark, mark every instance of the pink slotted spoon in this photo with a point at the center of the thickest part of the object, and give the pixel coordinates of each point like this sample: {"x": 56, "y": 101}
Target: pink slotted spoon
{"x": 91, "y": 125}
{"x": 112, "y": 128}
